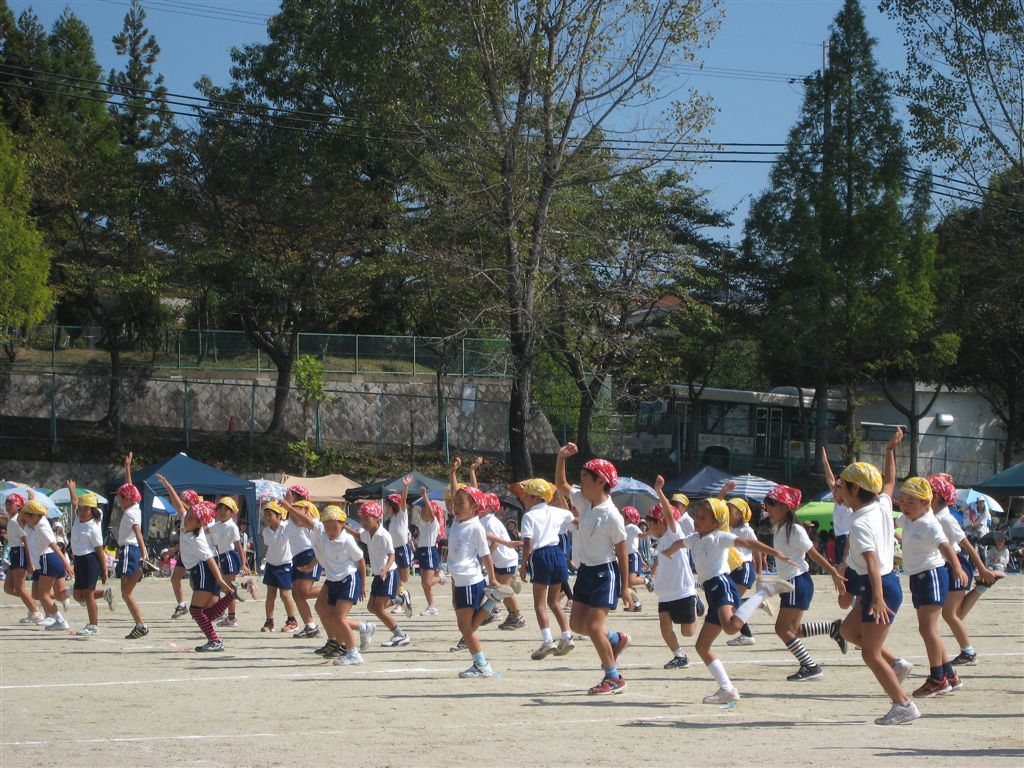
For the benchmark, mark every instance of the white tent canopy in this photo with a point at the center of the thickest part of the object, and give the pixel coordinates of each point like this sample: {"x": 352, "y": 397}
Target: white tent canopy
{"x": 329, "y": 489}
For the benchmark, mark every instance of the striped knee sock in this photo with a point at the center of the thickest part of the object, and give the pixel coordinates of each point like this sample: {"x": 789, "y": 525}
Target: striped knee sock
{"x": 199, "y": 614}
{"x": 215, "y": 610}
{"x": 796, "y": 647}
{"x": 814, "y": 628}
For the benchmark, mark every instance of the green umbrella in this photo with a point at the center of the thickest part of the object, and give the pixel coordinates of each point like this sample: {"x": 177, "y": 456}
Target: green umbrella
{"x": 819, "y": 512}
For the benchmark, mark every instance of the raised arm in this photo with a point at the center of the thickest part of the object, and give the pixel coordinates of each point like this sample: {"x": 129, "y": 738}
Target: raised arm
{"x": 830, "y": 476}
{"x": 477, "y": 463}
{"x": 73, "y": 490}
{"x": 889, "y": 476}
{"x": 172, "y": 494}
{"x": 128, "y": 468}
{"x": 666, "y": 505}
{"x": 453, "y": 476}
{"x": 406, "y": 482}
{"x": 728, "y": 488}
{"x": 297, "y": 515}
{"x": 561, "y": 479}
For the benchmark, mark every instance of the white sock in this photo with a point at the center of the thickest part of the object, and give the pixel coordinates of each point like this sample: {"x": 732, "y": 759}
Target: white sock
{"x": 750, "y": 606}
{"x": 717, "y": 669}
{"x": 545, "y": 634}
{"x": 567, "y": 635}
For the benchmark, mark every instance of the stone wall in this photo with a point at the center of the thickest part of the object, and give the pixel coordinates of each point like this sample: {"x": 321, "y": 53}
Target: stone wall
{"x": 388, "y": 412}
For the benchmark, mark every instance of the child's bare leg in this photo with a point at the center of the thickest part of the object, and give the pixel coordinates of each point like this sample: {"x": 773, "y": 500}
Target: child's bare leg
{"x": 127, "y": 586}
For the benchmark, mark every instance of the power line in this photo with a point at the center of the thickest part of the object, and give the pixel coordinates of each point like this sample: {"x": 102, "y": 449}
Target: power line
{"x": 156, "y": 5}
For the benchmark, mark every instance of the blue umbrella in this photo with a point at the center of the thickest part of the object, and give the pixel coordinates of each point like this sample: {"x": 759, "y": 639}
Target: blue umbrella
{"x": 747, "y": 486}
{"x": 51, "y": 508}
{"x": 630, "y": 492}
{"x": 968, "y": 497}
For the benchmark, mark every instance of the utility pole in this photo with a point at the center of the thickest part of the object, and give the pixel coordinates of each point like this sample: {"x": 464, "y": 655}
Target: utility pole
{"x": 822, "y": 384}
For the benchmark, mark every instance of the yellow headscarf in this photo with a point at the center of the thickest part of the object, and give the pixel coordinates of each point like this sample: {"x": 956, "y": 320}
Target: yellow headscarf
{"x": 539, "y": 487}
{"x": 741, "y": 504}
{"x": 310, "y": 508}
{"x": 917, "y": 487}
{"x": 865, "y": 475}
{"x": 333, "y": 512}
{"x": 720, "y": 511}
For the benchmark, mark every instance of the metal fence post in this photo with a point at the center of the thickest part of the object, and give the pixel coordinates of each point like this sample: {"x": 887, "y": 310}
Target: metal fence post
{"x": 54, "y": 332}
{"x": 252, "y": 415}
{"x": 53, "y": 410}
{"x": 380, "y": 399}
{"x": 185, "y": 419}
{"x": 179, "y": 350}
{"x": 357, "y": 357}
{"x": 414, "y": 345}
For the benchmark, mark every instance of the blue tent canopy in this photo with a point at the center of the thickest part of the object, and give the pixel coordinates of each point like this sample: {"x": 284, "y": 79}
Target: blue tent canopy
{"x": 1009, "y": 482}
{"x": 183, "y": 472}
{"x": 695, "y": 482}
{"x": 383, "y": 488}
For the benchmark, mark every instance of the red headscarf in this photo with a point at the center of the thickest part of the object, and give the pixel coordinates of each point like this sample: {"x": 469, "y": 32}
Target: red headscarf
{"x": 130, "y": 492}
{"x": 603, "y": 469}
{"x": 631, "y": 515}
{"x": 205, "y": 512}
{"x": 942, "y": 485}
{"x": 786, "y": 495}
{"x": 372, "y": 509}
{"x": 190, "y": 497}
{"x": 16, "y": 498}
{"x": 301, "y": 491}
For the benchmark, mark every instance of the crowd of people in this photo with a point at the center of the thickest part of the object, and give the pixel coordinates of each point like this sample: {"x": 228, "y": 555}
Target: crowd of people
{"x": 708, "y": 569}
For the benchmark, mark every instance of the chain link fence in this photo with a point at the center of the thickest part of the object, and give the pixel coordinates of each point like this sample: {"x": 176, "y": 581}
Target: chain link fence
{"x": 63, "y": 346}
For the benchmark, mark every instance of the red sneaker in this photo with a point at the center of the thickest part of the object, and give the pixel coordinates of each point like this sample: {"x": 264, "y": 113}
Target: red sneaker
{"x": 954, "y": 682}
{"x": 620, "y": 646}
{"x": 608, "y": 686}
{"x": 931, "y": 688}
{"x": 290, "y": 626}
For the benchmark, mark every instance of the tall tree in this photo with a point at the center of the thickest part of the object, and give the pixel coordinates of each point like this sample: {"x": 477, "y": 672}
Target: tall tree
{"x": 25, "y": 297}
{"x": 549, "y": 77}
{"x": 834, "y": 229}
{"x": 987, "y": 298}
{"x": 964, "y": 61}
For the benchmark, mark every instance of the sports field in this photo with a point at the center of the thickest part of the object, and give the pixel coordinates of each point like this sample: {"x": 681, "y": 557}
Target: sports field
{"x": 268, "y": 700}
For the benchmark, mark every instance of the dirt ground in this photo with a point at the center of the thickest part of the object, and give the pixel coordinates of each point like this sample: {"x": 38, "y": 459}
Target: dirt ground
{"x": 268, "y": 700}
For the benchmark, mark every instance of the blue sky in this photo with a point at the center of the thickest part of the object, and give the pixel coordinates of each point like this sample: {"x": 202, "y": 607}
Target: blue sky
{"x": 757, "y": 36}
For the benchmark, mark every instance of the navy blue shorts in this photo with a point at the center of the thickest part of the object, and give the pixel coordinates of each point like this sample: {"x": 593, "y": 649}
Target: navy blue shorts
{"x": 19, "y": 558}
{"x": 279, "y": 576}
{"x": 681, "y": 611}
{"x": 305, "y": 558}
{"x": 428, "y": 558}
{"x": 87, "y": 571}
{"x": 930, "y": 587}
{"x": 129, "y": 561}
{"x": 348, "y": 589}
{"x": 598, "y": 586}
{"x": 202, "y": 580}
{"x": 386, "y": 587}
{"x": 51, "y": 565}
{"x": 403, "y": 555}
{"x": 634, "y": 563}
{"x": 841, "y": 548}
{"x": 471, "y": 596}
{"x": 744, "y": 575}
{"x": 505, "y": 570}
{"x": 549, "y": 565}
{"x": 860, "y": 586}
{"x": 802, "y": 594}
{"x": 968, "y": 566}
{"x": 229, "y": 562}
{"x": 719, "y": 591}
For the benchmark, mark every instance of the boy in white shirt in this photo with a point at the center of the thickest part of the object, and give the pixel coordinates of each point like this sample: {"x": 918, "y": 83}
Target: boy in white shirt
{"x": 385, "y": 573}
{"x": 131, "y": 548}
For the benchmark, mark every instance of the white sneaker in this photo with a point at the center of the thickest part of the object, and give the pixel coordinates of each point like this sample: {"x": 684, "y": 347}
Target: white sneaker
{"x": 32, "y": 618}
{"x": 65, "y": 604}
{"x": 228, "y": 621}
{"x": 899, "y": 714}
{"x": 430, "y": 610}
{"x": 366, "y": 634}
{"x": 349, "y": 659}
{"x": 498, "y": 592}
{"x": 565, "y": 646}
{"x": 108, "y": 595}
{"x": 47, "y": 622}
{"x": 774, "y": 585}
{"x": 516, "y": 583}
{"x": 767, "y": 607}
{"x": 722, "y": 696}
{"x": 902, "y": 668}
{"x": 407, "y": 601}
{"x": 742, "y": 640}
{"x": 56, "y": 625}
{"x": 398, "y": 610}
{"x": 39, "y": 620}
{"x": 89, "y": 629}
{"x": 442, "y": 577}
{"x": 544, "y": 650}
{"x": 477, "y": 671}
{"x": 395, "y": 641}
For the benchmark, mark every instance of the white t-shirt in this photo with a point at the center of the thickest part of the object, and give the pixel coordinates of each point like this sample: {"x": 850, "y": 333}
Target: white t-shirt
{"x": 15, "y": 533}
{"x": 954, "y": 533}
{"x": 223, "y": 536}
{"x": 380, "y": 546}
{"x": 633, "y": 538}
{"x": 125, "y": 531}
{"x": 541, "y": 525}
{"x": 872, "y": 530}
{"x": 794, "y": 544}
{"x": 466, "y": 544}
{"x": 399, "y": 528}
{"x": 428, "y": 533}
{"x": 710, "y": 553}
{"x": 503, "y": 556}
{"x": 279, "y": 552}
{"x": 744, "y": 531}
{"x": 340, "y": 556}
{"x": 85, "y": 537}
{"x": 921, "y": 540}
{"x": 600, "y": 528}
{"x": 674, "y": 578}
{"x": 981, "y": 521}
{"x": 298, "y": 539}
{"x": 194, "y": 549}
{"x": 842, "y": 516}
{"x": 40, "y": 537}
